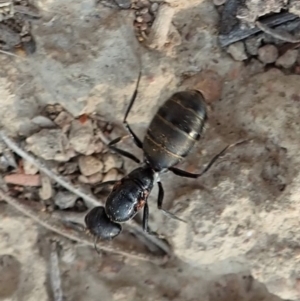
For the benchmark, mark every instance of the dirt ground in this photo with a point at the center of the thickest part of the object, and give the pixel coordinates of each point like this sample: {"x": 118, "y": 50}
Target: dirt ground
{"x": 242, "y": 238}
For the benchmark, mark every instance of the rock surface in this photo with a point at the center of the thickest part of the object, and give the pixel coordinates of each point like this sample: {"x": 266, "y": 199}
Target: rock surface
{"x": 246, "y": 218}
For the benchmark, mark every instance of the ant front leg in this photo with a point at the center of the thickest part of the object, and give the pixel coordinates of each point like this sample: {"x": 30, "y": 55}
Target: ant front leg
{"x": 135, "y": 138}
{"x": 160, "y": 202}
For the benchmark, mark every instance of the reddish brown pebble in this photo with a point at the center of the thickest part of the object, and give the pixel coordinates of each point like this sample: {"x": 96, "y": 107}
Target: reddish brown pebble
{"x": 207, "y": 82}
{"x": 268, "y": 54}
{"x": 297, "y": 70}
{"x": 23, "y": 180}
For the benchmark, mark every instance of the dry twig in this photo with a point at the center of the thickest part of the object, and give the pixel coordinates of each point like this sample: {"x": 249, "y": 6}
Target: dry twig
{"x": 55, "y": 279}
{"x": 161, "y": 27}
{"x": 277, "y": 33}
{"x": 45, "y": 220}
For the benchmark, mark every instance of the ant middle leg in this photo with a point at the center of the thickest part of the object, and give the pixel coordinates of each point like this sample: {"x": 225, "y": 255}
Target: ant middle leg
{"x": 125, "y": 154}
{"x": 120, "y": 151}
{"x": 135, "y": 138}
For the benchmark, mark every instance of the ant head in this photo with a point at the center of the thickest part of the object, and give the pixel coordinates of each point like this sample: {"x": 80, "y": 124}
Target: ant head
{"x": 99, "y": 225}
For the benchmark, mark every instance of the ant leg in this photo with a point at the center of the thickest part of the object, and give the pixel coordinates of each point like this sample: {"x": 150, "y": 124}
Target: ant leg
{"x": 120, "y": 151}
{"x": 160, "y": 202}
{"x": 183, "y": 173}
{"x": 117, "y": 140}
{"x": 107, "y": 183}
{"x": 135, "y": 138}
{"x": 125, "y": 154}
{"x": 96, "y": 239}
{"x": 145, "y": 221}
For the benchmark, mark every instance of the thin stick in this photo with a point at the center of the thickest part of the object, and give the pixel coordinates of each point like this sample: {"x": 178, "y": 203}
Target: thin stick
{"x": 278, "y": 34}
{"x": 11, "y": 54}
{"x": 91, "y": 202}
{"x": 61, "y": 231}
{"x": 238, "y": 34}
{"x": 161, "y": 27}
{"x": 102, "y": 137}
{"x": 55, "y": 279}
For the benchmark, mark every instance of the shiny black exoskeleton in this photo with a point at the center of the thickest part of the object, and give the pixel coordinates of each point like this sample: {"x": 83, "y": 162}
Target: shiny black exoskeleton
{"x": 171, "y": 135}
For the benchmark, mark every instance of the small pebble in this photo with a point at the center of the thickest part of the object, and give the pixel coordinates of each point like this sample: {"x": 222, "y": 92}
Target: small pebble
{"x": 268, "y": 54}
{"x": 144, "y": 26}
{"x": 98, "y": 147}
{"x": 255, "y": 67}
{"x": 143, "y": 3}
{"x": 58, "y": 108}
{"x": 219, "y": 2}
{"x": 125, "y": 293}
{"x": 288, "y": 59}
{"x": 154, "y": 7}
{"x": 29, "y": 168}
{"x": 63, "y": 119}
{"x": 125, "y": 4}
{"x": 3, "y": 164}
{"x": 81, "y": 137}
{"x": 252, "y": 44}
{"x": 237, "y": 51}
{"x": 111, "y": 175}
{"x": 89, "y": 165}
{"x": 50, "y": 144}
{"x": 65, "y": 199}
{"x": 69, "y": 168}
{"x": 111, "y": 161}
{"x": 50, "y": 109}
{"x": 144, "y": 11}
{"x": 43, "y": 122}
{"x": 139, "y": 19}
{"x": 46, "y": 190}
{"x": 83, "y": 179}
{"x": 95, "y": 178}
{"x": 147, "y": 18}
